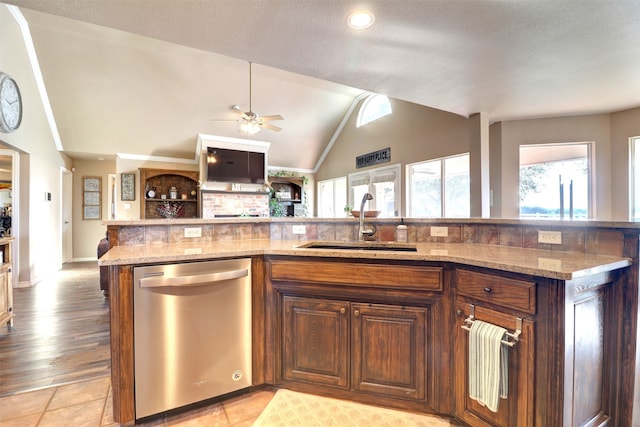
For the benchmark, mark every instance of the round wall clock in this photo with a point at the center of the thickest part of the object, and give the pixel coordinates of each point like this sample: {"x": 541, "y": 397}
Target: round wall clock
{"x": 10, "y": 104}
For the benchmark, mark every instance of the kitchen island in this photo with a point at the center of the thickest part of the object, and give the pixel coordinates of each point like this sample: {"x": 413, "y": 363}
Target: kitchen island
{"x": 576, "y": 313}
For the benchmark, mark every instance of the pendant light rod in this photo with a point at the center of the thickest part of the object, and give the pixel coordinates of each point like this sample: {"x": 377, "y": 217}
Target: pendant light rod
{"x": 250, "y": 108}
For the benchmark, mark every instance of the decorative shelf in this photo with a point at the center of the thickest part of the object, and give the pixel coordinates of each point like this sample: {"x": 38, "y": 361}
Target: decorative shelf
{"x": 162, "y": 180}
{"x": 155, "y": 199}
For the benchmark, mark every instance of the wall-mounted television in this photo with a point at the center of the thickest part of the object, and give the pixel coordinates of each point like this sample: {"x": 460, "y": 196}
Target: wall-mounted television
{"x": 226, "y": 165}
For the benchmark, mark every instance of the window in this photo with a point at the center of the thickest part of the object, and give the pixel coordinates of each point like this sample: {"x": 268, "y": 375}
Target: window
{"x": 383, "y": 183}
{"x": 554, "y": 175}
{"x": 426, "y": 188}
{"x": 634, "y": 178}
{"x": 332, "y": 198}
{"x": 374, "y": 107}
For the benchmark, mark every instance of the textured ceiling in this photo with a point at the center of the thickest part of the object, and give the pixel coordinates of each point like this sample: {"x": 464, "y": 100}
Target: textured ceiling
{"x": 509, "y": 59}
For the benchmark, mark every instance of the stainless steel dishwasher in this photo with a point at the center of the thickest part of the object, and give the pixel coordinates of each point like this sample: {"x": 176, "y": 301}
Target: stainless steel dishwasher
{"x": 192, "y": 332}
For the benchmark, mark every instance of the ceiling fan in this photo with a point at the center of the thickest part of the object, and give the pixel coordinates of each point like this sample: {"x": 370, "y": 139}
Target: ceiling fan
{"x": 251, "y": 122}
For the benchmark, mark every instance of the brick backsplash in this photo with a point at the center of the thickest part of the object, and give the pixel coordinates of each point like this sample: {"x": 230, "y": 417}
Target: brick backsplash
{"x": 234, "y": 204}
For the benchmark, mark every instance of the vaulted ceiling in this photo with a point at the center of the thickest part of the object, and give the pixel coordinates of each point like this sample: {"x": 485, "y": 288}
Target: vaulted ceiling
{"x": 145, "y": 77}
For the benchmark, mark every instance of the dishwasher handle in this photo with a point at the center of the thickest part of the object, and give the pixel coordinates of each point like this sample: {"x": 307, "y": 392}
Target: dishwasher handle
{"x": 156, "y": 280}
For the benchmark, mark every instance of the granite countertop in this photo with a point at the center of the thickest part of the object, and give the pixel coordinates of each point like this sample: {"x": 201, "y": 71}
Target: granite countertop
{"x": 550, "y": 264}
{"x": 568, "y": 223}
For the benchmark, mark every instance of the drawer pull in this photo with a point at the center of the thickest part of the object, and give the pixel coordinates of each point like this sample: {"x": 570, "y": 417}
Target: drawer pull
{"x": 488, "y": 290}
{"x": 343, "y": 310}
{"x": 356, "y": 313}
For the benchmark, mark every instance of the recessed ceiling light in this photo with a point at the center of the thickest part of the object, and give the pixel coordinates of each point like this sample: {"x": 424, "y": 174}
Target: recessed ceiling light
{"x": 361, "y": 20}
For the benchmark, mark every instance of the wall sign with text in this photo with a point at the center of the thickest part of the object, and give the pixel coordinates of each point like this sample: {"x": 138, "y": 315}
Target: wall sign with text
{"x": 375, "y": 158}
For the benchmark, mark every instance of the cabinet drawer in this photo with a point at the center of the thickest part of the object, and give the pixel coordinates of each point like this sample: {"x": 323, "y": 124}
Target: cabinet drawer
{"x": 354, "y": 274}
{"x": 507, "y": 292}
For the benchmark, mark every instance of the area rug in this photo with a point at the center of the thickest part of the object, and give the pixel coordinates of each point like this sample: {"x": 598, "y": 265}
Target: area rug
{"x": 292, "y": 409}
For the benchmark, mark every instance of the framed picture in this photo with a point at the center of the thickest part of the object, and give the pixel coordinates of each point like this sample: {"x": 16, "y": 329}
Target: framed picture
{"x": 91, "y": 183}
{"x": 91, "y": 197}
{"x": 127, "y": 186}
{"x": 91, "y": 212}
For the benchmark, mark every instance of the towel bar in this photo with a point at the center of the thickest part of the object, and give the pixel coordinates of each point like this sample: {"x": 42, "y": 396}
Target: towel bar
{"x": 512, "y": 337}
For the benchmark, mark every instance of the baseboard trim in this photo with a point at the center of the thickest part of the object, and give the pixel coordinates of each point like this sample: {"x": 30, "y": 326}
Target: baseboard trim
{"x": 84, "y": 259}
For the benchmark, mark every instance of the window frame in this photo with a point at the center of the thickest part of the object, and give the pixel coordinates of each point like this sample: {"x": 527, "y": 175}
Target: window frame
{"x": 591, "y": 173}
{"x": 634, "y": 178}
{"x": 371, "y": 177}
{"x": 338, "y": 212}
{"x": 443, "y": 186}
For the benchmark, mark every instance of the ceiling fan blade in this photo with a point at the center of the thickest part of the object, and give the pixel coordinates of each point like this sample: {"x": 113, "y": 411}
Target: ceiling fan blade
{"x": 270, "y": 127}
{"x": 271, "y": 118}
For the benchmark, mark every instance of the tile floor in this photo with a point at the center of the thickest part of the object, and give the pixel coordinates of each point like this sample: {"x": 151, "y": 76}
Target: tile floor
{"x": 88, "y": 404}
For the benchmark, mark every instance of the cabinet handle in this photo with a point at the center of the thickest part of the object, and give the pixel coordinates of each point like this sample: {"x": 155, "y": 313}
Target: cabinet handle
{"x": 488, "y": 290}
{"x": 343, "y": 310}
{"x": 459, "y": 312}
{"x": 356, "y": 312}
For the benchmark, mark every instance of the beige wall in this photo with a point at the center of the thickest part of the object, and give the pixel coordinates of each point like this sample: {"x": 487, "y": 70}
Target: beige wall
{"x": 38, "y": 239}
{"x": 591, "y": 128}
{"x": 413, "y": 132}
{"x": 88, "y": 232}
{"x": 624, "y": 125}
{"x": 416, "y": 133}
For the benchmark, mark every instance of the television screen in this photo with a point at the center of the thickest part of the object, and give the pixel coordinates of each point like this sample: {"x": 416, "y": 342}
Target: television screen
{"x": 228, "y": 165}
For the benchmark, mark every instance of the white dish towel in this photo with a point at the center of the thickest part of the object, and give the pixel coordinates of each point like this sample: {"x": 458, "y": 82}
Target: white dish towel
{"x": 488, "y": 364}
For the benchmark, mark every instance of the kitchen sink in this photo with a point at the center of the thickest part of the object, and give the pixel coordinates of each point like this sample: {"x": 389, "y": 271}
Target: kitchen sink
{"x": 366, "y": 246}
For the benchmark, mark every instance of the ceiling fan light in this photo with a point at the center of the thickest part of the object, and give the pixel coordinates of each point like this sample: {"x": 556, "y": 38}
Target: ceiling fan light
{"x": 249, "y": 127}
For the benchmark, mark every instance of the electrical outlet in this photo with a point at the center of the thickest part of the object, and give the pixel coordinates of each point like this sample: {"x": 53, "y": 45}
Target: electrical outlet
{"x": 192, "y": 232}
{"x": 551, "y": 237}
{"x": 439, "y": 231}
{"x": 299, "y": 229}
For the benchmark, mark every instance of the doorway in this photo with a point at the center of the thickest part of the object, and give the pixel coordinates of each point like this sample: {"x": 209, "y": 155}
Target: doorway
{"x": 9, "y": 212}
{"x": 66, "y": 215}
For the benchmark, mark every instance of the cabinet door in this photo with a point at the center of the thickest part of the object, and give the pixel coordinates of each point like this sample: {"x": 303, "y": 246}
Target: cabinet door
{"x": 315, "y": 344}
{"x": 388, "y": 346}
{"x": 5, "y": 296}
{"x": 517, "y": 409}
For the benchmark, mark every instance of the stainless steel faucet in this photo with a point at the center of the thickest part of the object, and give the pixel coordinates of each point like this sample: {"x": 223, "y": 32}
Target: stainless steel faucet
{"x": 363, "y": 232}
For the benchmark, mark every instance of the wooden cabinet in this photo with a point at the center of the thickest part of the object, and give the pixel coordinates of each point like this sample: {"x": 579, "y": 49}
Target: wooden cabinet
{"x": 561, "y": 369}
{"x": 517, "y": 408}
{"x": 388, "y": 350}
{"x": 6, "y": 285}
{"x": 370, "y": 348}
{"x": 366, "y": 331}
{"x": 316, "y": 341}
{"x": 500, "y": 301}
{"x": 161, "y": 182}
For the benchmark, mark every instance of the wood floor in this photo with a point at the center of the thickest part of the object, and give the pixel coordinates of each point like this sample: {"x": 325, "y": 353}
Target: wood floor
{"x": 60, "y": 332}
